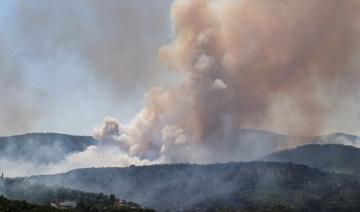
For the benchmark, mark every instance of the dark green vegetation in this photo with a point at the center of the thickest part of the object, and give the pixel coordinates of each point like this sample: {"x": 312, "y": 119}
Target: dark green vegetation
{"x": 42, "y": 147}
{"x": 7, "y": 205}
{"x": 330, "y": 157}
{"x": 22, "y": 206}
{"x": 253, "y": 186}
{"x": 20, "y": 189}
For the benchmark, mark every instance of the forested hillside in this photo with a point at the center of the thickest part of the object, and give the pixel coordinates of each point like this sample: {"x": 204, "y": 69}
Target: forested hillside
{"x": 7, "y": 205}
{"x": 21, "y": 190}
{"x": 330, "y": 157}
{"x": 252, "y": 185}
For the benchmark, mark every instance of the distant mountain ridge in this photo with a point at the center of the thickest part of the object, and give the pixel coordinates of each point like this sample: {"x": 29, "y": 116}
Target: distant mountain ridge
{"x": 330, "y": 157}
{"x": 42, "y": 147}
{"x": 240, "y": 145}
{"x": 338, "y": 138}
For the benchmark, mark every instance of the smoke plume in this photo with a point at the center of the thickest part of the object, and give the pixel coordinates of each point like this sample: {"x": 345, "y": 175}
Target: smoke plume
{"x": 281, "y": 65}
{"x": 244, "y": 64}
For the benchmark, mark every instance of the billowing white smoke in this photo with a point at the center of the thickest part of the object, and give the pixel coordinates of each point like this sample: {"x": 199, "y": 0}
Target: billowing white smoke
{"x": 244, "y": 64}
{"x": 238, "y": 60}
{"x": 173, "y": 146}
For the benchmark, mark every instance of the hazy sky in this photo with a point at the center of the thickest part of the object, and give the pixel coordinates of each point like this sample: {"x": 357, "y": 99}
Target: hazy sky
{"x": 176, "y": 79}
{"x": 65, "y": 66}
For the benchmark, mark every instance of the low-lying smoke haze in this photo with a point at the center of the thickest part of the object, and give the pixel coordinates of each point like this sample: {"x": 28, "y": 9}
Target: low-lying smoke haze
{"x": 281, "y": 65}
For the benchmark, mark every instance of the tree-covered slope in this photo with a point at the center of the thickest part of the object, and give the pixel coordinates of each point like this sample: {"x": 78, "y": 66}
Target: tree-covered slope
{"x": 330, "y": 157}
{"x": 208, "y": 187}
{"x": 20, "y": 190}
{"x": 7, "y": 205}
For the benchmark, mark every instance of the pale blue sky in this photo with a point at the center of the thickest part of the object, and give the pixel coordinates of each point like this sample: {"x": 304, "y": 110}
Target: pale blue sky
{"x": 64, "y": 65}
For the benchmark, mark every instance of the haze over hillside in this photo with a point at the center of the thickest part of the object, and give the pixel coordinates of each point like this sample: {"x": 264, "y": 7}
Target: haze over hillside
{"x": 250, "y": 186}
{"x": 42, "y": 153}
{"x": 42, "y": 148}
{"x": 330, "y": 157}
{"x": 37, "y": 152}
{"x": 178, "y": 98}
{"x": 21, "y": 189}
{"x": 210, "y": 68}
